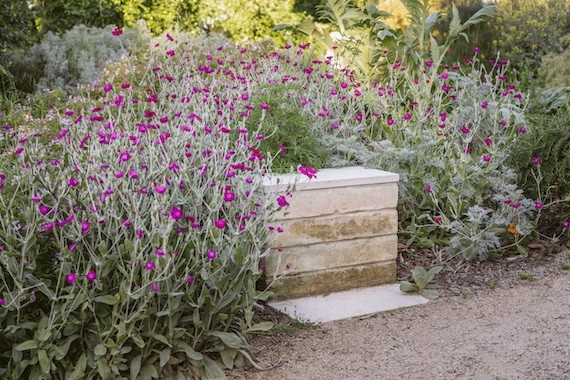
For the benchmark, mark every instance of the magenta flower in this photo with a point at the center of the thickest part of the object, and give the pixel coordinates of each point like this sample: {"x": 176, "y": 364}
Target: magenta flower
{"x": 170, "y": 53}
{"x": 127, "y": 223}
{"x": 220, "y": 224}
{"x": 427, "y": 188}
{"x": 91, "y": 276}
{"x": 309, "y": 172}
{"x": 159, "y": 252}
{"x": 464, "y": 129}
{"x": 2, "y": 301}
{"x": 176, "y": 213}
{"x": 44, "y": 209}
{"x": 73, "y": 182}
{"x": 62, "y": 133}
{"x": 125, "y": 156}
{"x": 108, "y": 87}
{"x": 18, "y": 150}
{"x": 71, "y": 278}
{"x": 154, "y": 288}
{"x": 133, "y": 174}
{"x": 139, "y": 234}
{"x": 522, "y": 130}
{"x": 117, "y": 32}
{"x": 85, "y": 226}
{"x": 437, "y": 219}
{"x": 264, "y": 106}
{"x": 211, "y": 255}
{"x": 390, "y": 121}
{"x": 484, "y": 104}
{"x": 160, "y": 189}
{"x": 229, "y": 196}
{"x": 566, "y": 224}
{"x": 537, "y": 160}
{"x": 190, "y": 279}
{"x": 282, "y": 201}
{"x": 119, "y": 174}
{"x": 150, "y": 265}
{"x": 486, "y": 158}
{"x": 538, "y": 205}
{"x": 407, "y": 116}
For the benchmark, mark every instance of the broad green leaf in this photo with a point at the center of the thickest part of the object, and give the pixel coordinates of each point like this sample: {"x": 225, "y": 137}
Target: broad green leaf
{"x": 408, "y": 287}
{"x": 262, "y": 326}
{"x": 102, "y": 248}
{"x": 138, "y": 341}
{"x": 150, "y": 370}
{"x": 27, "y": 345}
{"x": 455, "y": 24}
{"x": 162, "y": 339}
{"x": 430, "y": 293}
{"x": 229, "y": 339}
{"x": 164, "y": 356}
{"x": 189, "y": 351}
{"x": 45, "y": 363}
{"x": 135, "y": 366}
{"x": 79, "y": 370}
{"x": 100, "y": 350}
{"x": 103, "y": 369}
{"x": 228, "y": 356}
{"x": 106, "y": 299}
{"x": 433, "y": 271}
{"x": 434, "y": 49}
{"x": 522, "y": 250}
{"x": 213, "y": 370}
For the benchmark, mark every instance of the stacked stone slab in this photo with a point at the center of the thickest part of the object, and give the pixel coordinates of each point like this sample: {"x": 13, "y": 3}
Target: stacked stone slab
{"x": 339, "y": 232}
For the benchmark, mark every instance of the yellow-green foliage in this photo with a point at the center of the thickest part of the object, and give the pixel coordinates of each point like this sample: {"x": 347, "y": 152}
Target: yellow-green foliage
{"x": 527, "y": 29}
{"x": 555, "y": 68}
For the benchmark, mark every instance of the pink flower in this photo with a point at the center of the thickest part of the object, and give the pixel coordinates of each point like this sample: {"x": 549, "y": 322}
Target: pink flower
{"x": 150, "y": 265}
{"x": 428, "y": 188}
{"x": 2, "y": 301}
{"x": 566, "y": 224}
{"x": 220, "y": 224}
{"x": 154, "y": 288}
{"x": 229, "y": 196}
{"x": 309, "y": 172}
{"x": 484, "y": 104}
{"x": 160, "y": 189}
{"x": 62, "y": 133}
{"x": 264, "y": 106}
{"x": 390, "y": 121}
{"x": 125, "y": 156}
{"x": 73, "y": 182}
{"x": 108, "y": 87}
{"x": 522, "y": 130}
{"x": 117, "y": 32}
{"x": 190, "y": 279}
{"x": 85, "y": 226}
{"x": 464, "y": 129}
{"x": 176, "y": 213}
{"x": 159, "y": 252}
{"x": 133, "y": 174}
{"x": 139, "y": 234}
{"x": 44, "y": 209}
{"x": 91, "y": 276}
{"x": 537, "y": 160}
{"x": 211, "y": 255}
{"x": 538, "y": 205}
{"x": 407, "y": 116}
{"x": 437, "y": 219}
{"x": 71, "y": 278}
{"x": 170, "y": 53}
{"x": 282, "y": 201}
{"x": 486, "y": 158}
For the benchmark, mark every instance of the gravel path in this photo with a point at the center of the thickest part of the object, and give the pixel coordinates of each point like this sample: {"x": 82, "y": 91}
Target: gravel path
{"x": 519, "y": 331}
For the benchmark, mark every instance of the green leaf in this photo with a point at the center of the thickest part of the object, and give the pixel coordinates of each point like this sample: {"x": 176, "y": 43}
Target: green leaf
{"x": 283, "y": 27}
{"x": 103, "y": 368}
{"x": 229, "y": 339}
{"x": 434, "y": 49}
{"x": 45, "y": 363}
{"x": 102, "y": 248}
{"x": 455, "y": 24}
{"x": 162, "y": 339}
{"x": 27, "y": 345}
{"x": 106, "y": 299}
{"x": 522, "y": 250}
{"x": 228, "y": 357}
{"x": 135, "y": 366}
{"x": 433, "y": 271}
{"x": 150, "y": 370}
{"x": 138, "y": 341}
{"x": 213, "y": 370}
{"x": 189, "y": 351}
{"x": 420, "y": 276}
{"x": 262, "y": 326}
{"x": 408, "y": 287}
{"x": 164, "y": 356}
{"x": 430, "y": 293}
{"x": 79, "y": 370}
{"x": 100, "y": 350}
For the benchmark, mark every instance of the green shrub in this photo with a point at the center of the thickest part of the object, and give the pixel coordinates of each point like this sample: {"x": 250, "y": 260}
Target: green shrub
{"x": 544, "y": 155}
{"x": 131, "y": 241}
{"x": 286, "y": 130}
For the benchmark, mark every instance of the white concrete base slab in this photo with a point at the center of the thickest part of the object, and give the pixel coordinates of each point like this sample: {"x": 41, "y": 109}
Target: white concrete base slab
{"x": 348, "y": 304}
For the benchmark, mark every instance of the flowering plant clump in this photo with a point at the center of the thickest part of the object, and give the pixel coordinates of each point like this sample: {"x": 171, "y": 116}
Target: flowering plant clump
{"x": 132, "y": 240}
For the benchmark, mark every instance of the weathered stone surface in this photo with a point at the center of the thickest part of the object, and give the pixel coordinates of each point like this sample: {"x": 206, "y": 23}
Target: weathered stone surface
{"x": 327, "y": 178}
{"x": 340, "y": 200}
{"x": 324, "y": 256}
{"x": 336, "y": 227}
{"x": 324, "y": 282}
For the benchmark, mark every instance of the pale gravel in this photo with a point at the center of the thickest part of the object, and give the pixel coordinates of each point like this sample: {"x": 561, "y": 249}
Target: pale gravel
{"x": 521, "y": 331}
